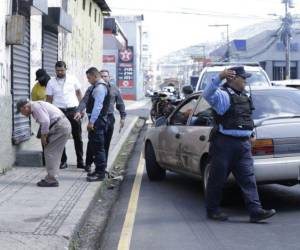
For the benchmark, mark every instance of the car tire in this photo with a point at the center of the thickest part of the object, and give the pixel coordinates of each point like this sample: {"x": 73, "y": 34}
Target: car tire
{"x": 206, "y": 170}
{"x": 154, "y": 171}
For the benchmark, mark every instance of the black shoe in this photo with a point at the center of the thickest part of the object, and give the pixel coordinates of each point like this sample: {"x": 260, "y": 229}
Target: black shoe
{"x": 219, "y": 216}
{"x": 63, "y": 165}
{"x": 96, "y": 177}
{"x": 262, "y": 214}
{"x": 44, "y": 183}
{"x": 88, "y": 168}
{"x": 91, "y": 174}
{"x": 80, "y": 165}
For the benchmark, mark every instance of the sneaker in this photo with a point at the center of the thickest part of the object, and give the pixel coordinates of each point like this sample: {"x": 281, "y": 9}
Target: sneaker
{"x": 44, "y": 183}
{"x": 219, "y": 216}
{"x": 63, "y": 165}
{"x": 262, "y": 214}
{"x": 96, "y": 177}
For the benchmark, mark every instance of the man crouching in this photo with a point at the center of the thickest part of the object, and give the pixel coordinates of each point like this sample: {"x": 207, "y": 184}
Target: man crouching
{"x": 55, "y": 131}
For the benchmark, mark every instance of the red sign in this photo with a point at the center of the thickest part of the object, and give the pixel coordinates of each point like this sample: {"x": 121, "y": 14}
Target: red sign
{"x": 126, "y": 55}
{"x": 125, "y": 83}
{"x": 109, "y": 59}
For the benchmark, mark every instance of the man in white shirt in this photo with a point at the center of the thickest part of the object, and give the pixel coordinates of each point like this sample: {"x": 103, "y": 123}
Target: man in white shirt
{"x": 64, "y": 92}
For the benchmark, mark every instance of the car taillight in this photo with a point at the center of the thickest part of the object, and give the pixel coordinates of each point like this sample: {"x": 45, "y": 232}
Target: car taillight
{"x": 263, "y": 147}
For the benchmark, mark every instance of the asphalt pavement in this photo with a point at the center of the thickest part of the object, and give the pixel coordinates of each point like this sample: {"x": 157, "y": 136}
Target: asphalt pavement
{"x": 171, "y": 215}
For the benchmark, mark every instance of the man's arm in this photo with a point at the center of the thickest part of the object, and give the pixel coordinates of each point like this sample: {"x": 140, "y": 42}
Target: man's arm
{"x": 120, "y": 105}
{"x": 79, "y": 95}
{"x": 49, "y": 98}
{"x": 217, "y": 98}
{"x": 82, "y": 104}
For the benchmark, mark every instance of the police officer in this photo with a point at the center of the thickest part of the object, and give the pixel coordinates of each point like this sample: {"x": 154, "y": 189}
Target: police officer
{"x": 230, "y": 147}
{"x": 97, "y": 106}
{"x": 115, "y": 98}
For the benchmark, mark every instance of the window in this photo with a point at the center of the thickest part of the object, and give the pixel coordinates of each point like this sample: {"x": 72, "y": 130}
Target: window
{"x": 83, "y": 4}
{"x": 203, "y": 114}
{"x": 95, "y": 15}
{"x": 182, "y": 115}
{"x": 90, "y": 10}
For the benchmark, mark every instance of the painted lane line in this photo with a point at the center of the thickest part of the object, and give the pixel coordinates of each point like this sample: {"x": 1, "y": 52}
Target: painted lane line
{"x": 126, "y": 234}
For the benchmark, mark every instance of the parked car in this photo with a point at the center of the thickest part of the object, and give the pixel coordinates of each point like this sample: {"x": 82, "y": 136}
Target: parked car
{"x": 259, "y": 76}
{"x": 180, "y": 142}
{"x": 294, "y": 83}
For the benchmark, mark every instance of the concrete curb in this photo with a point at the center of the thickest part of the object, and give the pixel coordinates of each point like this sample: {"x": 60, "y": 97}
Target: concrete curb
{"x": 97, "y": 190}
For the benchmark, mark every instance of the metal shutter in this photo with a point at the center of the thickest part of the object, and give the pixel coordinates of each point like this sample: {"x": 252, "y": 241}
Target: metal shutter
{"x": 21, "y": 86}
{"x": 50, "y": 51}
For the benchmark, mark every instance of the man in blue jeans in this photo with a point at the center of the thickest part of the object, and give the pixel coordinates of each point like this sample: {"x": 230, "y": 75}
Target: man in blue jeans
{"x": 97, "y": 108}
{"x": 230, "y": 146}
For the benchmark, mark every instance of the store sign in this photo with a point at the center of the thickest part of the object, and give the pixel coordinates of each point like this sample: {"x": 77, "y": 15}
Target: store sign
{"x": 109, "y": 59}
{"x": 125, "y": 68}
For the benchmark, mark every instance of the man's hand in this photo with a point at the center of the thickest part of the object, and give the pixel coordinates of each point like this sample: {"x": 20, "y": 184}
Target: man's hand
{"x": 228, "y": 74}
{"x": 122, "y": 123}
{"x": 44, "y": 139}
{"x": 77, "y": 116}
{"x": 90, "y": 126}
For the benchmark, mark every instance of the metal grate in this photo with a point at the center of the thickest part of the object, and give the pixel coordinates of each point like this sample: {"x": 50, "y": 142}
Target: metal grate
{"x": 21, "y": 86}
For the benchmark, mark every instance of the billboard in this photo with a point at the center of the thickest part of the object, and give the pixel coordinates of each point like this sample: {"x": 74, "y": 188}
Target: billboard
{"x": 126, "y": 68}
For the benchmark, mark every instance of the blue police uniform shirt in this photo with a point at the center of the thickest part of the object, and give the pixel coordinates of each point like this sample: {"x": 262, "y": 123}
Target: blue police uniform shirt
{"x": 99, "y": 94}
{"x": 220, "y": 102}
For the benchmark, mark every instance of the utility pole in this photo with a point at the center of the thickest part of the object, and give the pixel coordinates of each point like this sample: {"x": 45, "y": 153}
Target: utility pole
{"x": 287, "y": 22}
{"x": 227, "y": 37}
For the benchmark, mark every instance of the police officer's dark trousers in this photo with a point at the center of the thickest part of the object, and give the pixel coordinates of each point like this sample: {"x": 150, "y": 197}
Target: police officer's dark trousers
{"x": 229, "y": 154}
{"x": 96, "y": 145}
{"x": 109, "y": 132}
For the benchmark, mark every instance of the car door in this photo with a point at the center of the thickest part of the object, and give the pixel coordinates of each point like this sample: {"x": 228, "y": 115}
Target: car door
{"x": 195, "y": 139}
{"x": 170, "y": 136}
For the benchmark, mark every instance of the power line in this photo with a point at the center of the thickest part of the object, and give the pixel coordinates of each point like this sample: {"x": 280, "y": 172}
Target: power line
{"x": 196, "y": 13}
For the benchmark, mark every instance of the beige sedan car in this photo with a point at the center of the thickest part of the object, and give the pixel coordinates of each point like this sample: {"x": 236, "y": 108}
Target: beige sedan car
{"x": 180, "y": 143}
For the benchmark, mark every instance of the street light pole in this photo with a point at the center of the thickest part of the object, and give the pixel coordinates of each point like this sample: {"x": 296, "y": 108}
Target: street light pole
{"x": 227, "y": 37}
{"x": 287, "y": 23}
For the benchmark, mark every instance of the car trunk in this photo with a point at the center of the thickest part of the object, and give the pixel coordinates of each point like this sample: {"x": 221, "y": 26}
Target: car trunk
{"x": 284, "y": 134}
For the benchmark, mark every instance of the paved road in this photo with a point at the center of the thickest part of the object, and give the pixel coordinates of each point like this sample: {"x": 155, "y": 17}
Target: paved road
{"x": 171, "y": 215}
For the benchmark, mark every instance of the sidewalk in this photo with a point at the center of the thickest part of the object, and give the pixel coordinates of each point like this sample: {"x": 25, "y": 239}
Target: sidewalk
{"x": 46, "y": 218}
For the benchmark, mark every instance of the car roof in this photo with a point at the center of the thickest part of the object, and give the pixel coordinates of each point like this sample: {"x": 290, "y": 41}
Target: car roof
{"x": 221, "y": 68}
{"x": 287, "y": 82}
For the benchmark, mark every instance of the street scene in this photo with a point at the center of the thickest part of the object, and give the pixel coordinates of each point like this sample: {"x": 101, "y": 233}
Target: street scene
{"x": 136, "y": 125}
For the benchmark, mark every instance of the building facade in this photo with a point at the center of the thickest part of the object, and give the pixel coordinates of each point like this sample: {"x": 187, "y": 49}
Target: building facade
{"x": 261, "y": 43}
{"x": 130, "y": 69}
{"x": 35, "y": 34}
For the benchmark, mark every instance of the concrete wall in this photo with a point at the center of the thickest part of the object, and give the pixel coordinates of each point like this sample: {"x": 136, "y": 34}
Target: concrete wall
{"x": 83, "y": 47}
{"x": 7, "y": 151}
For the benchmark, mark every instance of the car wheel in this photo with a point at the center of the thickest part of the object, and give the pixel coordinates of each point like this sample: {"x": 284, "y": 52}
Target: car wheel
{"x": 205, "y": 176}
{"x": 154, "y": 171}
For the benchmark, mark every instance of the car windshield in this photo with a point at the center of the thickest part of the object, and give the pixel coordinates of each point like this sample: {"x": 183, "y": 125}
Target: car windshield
{"x": 257, "y": 79}
{"x": 274, "y": 103}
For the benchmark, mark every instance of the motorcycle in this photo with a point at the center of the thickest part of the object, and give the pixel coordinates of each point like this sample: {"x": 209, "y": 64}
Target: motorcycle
{"x": 162, "y": 105}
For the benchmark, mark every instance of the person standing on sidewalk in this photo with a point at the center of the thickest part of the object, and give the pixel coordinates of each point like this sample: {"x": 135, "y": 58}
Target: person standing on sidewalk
{"x": 115, "y": 99}
{"x": 64, "y": 92}
{"x": 55, "y": 131}
{"x": 97, "y": 108}
{"x": 230, "y": 146}
{"x": 38, "y": 93}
